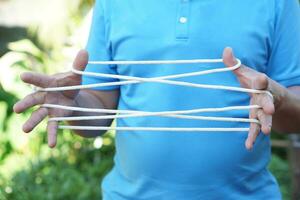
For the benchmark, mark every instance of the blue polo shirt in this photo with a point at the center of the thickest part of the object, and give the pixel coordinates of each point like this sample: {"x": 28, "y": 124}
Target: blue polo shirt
{"x": 265, "y": 35}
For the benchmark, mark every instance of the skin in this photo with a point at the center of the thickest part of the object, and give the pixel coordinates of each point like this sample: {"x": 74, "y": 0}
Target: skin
{"x": 94, "y": 99}
{"x": 281, "y": 113}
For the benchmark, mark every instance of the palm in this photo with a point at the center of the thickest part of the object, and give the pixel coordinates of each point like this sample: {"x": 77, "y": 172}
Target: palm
{"x": 60, "y": 98}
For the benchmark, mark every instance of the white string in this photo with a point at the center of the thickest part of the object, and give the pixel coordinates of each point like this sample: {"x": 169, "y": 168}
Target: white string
{"x": 156, "y": 62}
{"x": 148, "y": 114}
{"x": 85, "y": 118}
{"x": 134, "y": 80}
{"x": 113, "y": 111}
{"x": 161, "y": 129}
{"x": 162, "y": 79}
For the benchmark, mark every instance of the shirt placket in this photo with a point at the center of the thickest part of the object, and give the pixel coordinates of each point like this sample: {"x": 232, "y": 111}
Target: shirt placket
{"x": 182, "y": 20}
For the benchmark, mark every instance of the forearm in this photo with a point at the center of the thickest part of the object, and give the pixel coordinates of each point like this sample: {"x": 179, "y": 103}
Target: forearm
{"x": 287, "y": 114}
{"x": 87, "y": 99}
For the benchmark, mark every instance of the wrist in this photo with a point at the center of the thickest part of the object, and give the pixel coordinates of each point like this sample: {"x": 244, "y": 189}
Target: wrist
{"x": 279, "y": 93}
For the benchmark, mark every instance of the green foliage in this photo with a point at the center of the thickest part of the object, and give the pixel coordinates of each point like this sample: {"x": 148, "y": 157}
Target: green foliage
{"x": 280, "y": 169}
{"x": 70, "y": 172}
{"x": 9, "y": 99}
{"x": 29, "y": 168}
{"x": 14, "y": 33}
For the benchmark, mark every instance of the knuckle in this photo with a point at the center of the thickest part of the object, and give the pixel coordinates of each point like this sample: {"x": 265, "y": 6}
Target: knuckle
{"x": 35, "y": 98}
{"x": 262, "y": 80}
{"x": 260, "y": 115}
{"x": 252, "y": 114}
{"x": 53, "y": 82}
{"x": 40, "y": 115}
{"x": 264, "y": 100}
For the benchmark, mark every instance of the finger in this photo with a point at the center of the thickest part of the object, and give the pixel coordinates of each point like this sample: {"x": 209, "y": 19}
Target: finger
{"x": 37, "y": 79}
{"x": 252, "y": 135}
{"x": 35, "y": 118}
{"x": 253, "y": 130}
{"x": 266, "y": 102}
{"x": 81, "y": 60}
{"x": 228, "y": 57}
{"x": 265, "y": 120}
{"x": 29, "y": 101}
{"x": 52, "y": 133}
{"x": 230, "y": 60}
{"x": 260, "y": 82}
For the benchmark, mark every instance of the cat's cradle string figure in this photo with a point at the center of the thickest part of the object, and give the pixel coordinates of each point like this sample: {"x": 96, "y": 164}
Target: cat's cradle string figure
{"x": 180, "y": 114}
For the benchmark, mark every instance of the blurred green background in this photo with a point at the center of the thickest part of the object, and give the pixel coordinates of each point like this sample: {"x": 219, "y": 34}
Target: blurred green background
{"x": 44, "y": 36}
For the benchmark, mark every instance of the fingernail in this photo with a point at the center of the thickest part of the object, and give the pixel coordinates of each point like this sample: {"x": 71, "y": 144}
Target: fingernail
{"x": 15, "y": 108}
{"x": 248, "y": 145}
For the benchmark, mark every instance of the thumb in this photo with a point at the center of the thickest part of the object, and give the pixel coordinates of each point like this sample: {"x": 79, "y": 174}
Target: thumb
{"x": 81, "y": 60}
{"x": 229, "y": 58}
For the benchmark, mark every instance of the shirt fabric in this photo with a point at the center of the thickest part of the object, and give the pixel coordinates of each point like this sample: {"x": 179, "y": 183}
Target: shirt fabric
{"x": 264, "y": 34}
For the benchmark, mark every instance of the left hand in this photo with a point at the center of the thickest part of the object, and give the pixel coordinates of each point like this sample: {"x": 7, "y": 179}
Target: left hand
{"x": 252, "y": 79}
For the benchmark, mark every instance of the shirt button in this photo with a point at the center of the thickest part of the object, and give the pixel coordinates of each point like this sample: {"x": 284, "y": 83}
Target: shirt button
{"x": 183, "y": 20}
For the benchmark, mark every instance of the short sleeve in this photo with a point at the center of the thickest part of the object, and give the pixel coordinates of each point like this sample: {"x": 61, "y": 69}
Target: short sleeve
{"x": 284, "y": 60}
{"x": 99, "y": 50}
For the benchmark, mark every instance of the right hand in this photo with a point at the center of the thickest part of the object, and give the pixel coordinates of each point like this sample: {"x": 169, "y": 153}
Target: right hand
{"x": 66, "y": 98}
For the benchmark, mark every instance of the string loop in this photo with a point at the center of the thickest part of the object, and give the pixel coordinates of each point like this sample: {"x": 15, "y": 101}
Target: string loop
{"x": 180, "y": 114}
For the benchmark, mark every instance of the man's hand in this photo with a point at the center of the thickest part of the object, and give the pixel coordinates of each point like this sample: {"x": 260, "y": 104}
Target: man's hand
{"x": 61, "y": 98}
{"x": 252, "y": 79}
